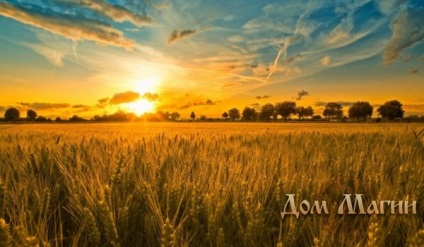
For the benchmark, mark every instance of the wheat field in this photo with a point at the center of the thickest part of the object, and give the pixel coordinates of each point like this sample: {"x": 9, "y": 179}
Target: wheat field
{"x": 206, "y": 184}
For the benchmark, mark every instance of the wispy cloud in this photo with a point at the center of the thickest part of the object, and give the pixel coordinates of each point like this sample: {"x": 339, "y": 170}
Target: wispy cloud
{"x": 325, "y": 61}
{"x": 177, "y": 35}
{"x": 413, "y": 71}
{"x": 302, "y": 93}
{"x": 54, "y": 56}
{"x": 342, "y": 103}
{"x": 408, "y": 29}
{"x": 102, "y": 103}
{"x": 44, "y": 106}
{"x": 151, "y": 96}
{"x": 72, "y": 27}
{"x": 116, "y": 12}
{"x": 341, "y": 34}
{"x": 262, "y": 97}
{"x": 82, "y": 108}
{"x": 208, "y": 102}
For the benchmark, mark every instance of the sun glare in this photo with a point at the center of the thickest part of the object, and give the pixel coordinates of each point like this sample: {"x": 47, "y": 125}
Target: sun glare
{"x": 141, "y": 106}
{"x": 143, "y": 86}
{"x": 147, "y": 85}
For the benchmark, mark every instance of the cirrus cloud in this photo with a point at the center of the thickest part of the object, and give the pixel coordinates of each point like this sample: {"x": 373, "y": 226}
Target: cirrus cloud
{"x": 71, "y": 27}
{"x": 408, "y": 29}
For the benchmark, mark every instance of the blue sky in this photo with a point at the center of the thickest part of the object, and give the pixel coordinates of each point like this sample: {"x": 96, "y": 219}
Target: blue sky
{"x": 62, "y": 56}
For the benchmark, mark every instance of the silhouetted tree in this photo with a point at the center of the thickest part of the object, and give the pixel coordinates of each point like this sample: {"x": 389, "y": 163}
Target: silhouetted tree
{"x": 285, "y": 109}
{"x": 161, "y": 116}
{"x": 225, "y": 115}
{"x": 192, "y": 115}
{"x": 41, "y": 119}
{"x": 267, "y": 111}
{"x": 75, "y": 118}
{"x": 333, "y": 110}
{"x": 249, "y": 114}
{"x": 175, "y": 116}
{"x": 309, "y": 111}
{"x": 316, "y": 117}
{"x": 31, "y": 115}
{"x": 360, "y": 110}
{"x": 58, "y": 119}
{"x": 234, "y": 114}
{"x": 391, "y": 110}
{"x": 303, "y": 112}
{"x": 203, "y": 118}
{"x": 12, "y": 114}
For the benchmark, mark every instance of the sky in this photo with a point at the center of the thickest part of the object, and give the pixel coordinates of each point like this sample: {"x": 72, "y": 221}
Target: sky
{"x": 94, "y": 57}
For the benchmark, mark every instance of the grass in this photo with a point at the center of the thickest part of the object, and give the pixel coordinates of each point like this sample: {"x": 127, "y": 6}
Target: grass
{"x": 210, "y": 184}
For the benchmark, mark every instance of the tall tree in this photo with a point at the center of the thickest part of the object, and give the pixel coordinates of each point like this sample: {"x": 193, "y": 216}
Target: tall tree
{"x": 175, "y": 116}
{"x": 249, "y": 114}
{"x": 333, "y": 110}
{"x": 303, "y": 112}
{"x": 361, "y": 110}
{"x": 234, "y": 114}
{"x": 12, "y": 114}
{"x": 309, "y": 111}
{"x": 285, "y": 109}
{"x": 225, "y": 115}
{"x": 193, "y": 115}
{"x": 391, "y": 110}
{"x": 31, "y": 115}
{"x": 267, "y": 111}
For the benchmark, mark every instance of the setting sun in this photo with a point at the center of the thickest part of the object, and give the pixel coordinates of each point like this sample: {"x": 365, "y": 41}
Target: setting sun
{"x": 147, "y": 85}
{"x": 141, "y": 106}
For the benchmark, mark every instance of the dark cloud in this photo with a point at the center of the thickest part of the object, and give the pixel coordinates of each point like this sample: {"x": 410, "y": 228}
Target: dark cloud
{"x": 116, "y": 12}
{"x": 207, "y": 102}
{"x": 342, "y": 103}
{"x": 203, "y": 103}
{"x": 44, "y": 106}
{"x": 302, "y": 93}
{"x": 125, "y": 97}
{"x": 102, "y": 103}
{"x": 262, "y": 97}
{"x": 69, "y": 26}
{"x": 255, "y": 105}
{"x": 82, "y": 108}
{"x": 177, "y": 35}
{"x": 79, "y": 106}
{"x": 151, "y": 96}
{"x": 408, "y": 29}
{"x": 413, "y": 71}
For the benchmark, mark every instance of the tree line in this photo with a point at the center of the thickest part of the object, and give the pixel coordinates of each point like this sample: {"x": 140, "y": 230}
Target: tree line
{"x": 333, "y": 111}
{"x": 391, "y": 110}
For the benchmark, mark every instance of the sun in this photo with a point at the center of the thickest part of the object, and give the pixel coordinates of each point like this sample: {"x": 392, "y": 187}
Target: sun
{"x": 141, "y": 106}
{"x": 147, "y": 85}
{"x": 143, "y": 86}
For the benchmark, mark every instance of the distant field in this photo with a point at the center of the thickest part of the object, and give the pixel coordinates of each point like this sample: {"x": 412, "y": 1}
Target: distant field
{"x": 206, "y": 184}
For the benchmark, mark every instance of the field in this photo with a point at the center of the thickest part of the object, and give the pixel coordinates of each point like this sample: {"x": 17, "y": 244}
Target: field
{"x": 206, "y": 184}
